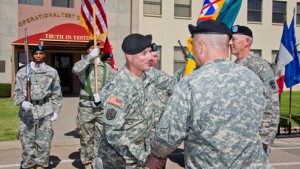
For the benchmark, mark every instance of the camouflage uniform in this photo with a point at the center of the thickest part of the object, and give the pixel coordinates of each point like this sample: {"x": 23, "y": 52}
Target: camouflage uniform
{"x": 178, "y": 75}
{"x": 89, "y": 120}
{"x": 129, "y": 117}
{"x": 264, "y": 71}
{"x": 161, "y": 97}
{"x": 36, "y": 130}
{"x": 216, "y": 111}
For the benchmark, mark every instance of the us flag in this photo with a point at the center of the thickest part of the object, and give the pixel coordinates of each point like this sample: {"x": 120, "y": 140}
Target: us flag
{"x": 86, "y": 17}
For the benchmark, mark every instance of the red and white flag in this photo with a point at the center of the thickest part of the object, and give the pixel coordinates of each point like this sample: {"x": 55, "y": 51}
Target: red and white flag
{"x": 107, "y": 49}
{"x": 86, "y": 17}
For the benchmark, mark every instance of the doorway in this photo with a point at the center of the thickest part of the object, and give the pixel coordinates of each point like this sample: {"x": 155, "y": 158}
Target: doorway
{"x": 63, "y": 63}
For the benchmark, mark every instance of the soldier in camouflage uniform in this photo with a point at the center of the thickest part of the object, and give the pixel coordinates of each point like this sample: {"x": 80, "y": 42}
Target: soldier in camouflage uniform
{"x": 88, "y": 120}
{"x": 216, "y": 110}
{"x": 160, "y": 96}
{"x": 36, "y": 117}
{"x": 241, "y": 48}
{"x": 128, "y": 106}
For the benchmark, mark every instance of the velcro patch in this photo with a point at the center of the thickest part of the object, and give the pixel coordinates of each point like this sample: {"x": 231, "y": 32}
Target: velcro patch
{"x": 111, "y": 114}
{"x": 115, "y": 101}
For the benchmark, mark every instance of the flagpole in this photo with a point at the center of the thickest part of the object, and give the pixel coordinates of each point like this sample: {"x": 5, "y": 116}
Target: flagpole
{"x": 278, "y": 129}
{"x": 95, "y": 45}
{"x": 290, "y": 113}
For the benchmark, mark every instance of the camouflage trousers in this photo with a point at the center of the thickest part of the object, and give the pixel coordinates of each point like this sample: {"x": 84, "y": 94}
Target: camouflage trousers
{"x": 36, "y": 138}
{"x": 89, "y": 126}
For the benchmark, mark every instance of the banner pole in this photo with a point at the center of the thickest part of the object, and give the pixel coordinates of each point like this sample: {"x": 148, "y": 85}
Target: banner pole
{"x": 95, "y": 45}
{"x": 290, "y": 113}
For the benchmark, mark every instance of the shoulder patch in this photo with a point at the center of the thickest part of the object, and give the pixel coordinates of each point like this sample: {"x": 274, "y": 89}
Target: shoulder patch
{"x": 111, "y": 114}
{"x": 115, "y": 101}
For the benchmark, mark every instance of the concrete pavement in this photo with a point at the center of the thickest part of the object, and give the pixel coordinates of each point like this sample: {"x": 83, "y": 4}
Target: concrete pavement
{"x": 65, "y": 146}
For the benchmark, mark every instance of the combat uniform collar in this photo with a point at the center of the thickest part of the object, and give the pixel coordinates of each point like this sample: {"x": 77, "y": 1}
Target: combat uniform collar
{"x": 137, "y": 82}
{"x": 37, "y": 67}
{"x": 215, "y": 61}
{"x": 246, "y": 59}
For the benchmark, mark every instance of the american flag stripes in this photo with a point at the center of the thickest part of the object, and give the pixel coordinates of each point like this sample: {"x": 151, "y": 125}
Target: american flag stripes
{"x": 86, "y": 17}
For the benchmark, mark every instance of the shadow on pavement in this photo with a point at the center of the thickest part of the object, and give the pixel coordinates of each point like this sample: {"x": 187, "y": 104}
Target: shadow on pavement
{"x": 53, "y": 162}
{"x": 177, "y": 157}
{"x": 73, "y": 133}
{"x": 76, "y": 163}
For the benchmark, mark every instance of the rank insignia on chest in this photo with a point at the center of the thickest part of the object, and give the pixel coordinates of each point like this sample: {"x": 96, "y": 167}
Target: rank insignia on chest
{"x": 111, "y": 114}
{"x": 115, "y": 101}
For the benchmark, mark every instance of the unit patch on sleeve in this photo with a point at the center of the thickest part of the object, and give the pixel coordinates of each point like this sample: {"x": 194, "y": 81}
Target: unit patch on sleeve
{"x": 115, "y": 101}
{"x": 111, "y": 114}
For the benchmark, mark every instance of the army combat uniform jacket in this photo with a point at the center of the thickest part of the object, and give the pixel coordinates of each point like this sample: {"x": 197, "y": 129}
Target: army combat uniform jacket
{"x": 129, "y": 116}
{"x": 45, "y": 92}
{"x": 216, "y": 111}
{"x": 264, "y": 71}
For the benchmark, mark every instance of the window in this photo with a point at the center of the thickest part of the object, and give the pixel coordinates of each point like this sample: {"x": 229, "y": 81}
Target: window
{"x": 179, "y": 60}
{"x": 273, "y": 57}
{"x": 182, "y": 8}
{"x": 152, "y": 7}
{"x": 158, "y": 66}
{"x": 31, "y": 2}
{"x": 63, "y": 3}
{"x": 22, "y": 59}
{"x": 279, "y": 12}
{"x": 254, "y": 10}
{"x": 298, "y": 14}
{"x": 2, "y": 66}
{"x": 256, "y": 51}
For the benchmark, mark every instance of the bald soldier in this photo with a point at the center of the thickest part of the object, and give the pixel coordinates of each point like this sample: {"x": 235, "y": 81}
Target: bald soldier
{"x": 215, "y": 111}
{"x": 240, "y": 46}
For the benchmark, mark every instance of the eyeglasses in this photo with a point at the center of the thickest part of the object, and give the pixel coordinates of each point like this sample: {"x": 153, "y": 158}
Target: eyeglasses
{"x": 153, "y": 47}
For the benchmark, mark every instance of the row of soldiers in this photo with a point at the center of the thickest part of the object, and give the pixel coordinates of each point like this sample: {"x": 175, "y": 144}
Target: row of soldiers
{"x": 226, "y": 114}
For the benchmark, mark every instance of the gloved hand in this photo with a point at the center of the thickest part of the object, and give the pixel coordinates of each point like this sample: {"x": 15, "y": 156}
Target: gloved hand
{"x": 96, "y": 98}
{"x": 95, "y": 52}
{"x": 27, "y": 106}
{"x": 54, "y": 117}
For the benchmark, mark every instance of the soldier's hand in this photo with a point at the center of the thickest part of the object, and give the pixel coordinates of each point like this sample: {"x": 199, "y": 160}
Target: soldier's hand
{"x": 96, "y": 98}
{"x": 54, "y": 117}
{"x": 154, "y": 162}
{"x": 95, "y": 52}
{"x": 27, "y": 106}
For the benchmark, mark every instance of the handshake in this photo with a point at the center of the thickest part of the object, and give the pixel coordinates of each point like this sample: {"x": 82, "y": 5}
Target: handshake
{"x": 154, "y": 162}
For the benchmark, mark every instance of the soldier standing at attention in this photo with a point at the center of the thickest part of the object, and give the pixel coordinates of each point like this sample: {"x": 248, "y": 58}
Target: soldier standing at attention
{"x": 36, "y": 117}
{"x": 216, "y": 110}
{"x": 128, "y": 107}
{"x": 240, "y": 46}
{"x": 89, "y": 120}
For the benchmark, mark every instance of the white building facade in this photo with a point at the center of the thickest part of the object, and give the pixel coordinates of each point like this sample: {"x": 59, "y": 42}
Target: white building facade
{"x": 166, "y": 20}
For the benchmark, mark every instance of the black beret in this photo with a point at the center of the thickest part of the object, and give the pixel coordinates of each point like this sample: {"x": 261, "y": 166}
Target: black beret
{"x": 37, "y": 48}
{"x": 210, "y": 27}
{"x": 91, "y": 43}
{"x": 136, "y": 43}
{"x": 243, "y": 30}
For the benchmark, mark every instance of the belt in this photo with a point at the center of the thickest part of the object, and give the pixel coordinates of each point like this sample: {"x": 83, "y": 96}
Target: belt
{"x": 40, "y": 101}
{"x": 89, "y": 98}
